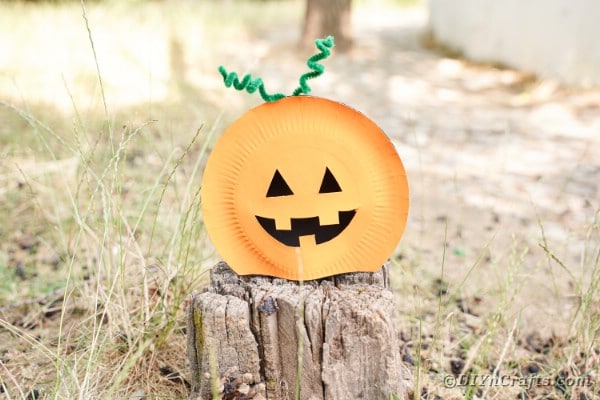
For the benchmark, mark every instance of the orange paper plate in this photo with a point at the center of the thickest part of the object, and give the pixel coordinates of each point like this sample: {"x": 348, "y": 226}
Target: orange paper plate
{"x": 304, "y": 188}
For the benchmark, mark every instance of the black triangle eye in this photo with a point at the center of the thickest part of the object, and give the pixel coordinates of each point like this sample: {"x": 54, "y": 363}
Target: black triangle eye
{"x": 329, "y": 184}
{"x": 278, "y": 186}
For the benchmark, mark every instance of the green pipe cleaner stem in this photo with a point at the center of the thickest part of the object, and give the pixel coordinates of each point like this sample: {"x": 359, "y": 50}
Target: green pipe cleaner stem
{"x": 251, "y": 85}
{"x": 313, "y": 63}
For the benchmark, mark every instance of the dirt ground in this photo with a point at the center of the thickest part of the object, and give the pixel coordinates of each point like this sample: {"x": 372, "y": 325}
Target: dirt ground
{"x": 496, "y": 158}
{"x": 504, "y": 170}
{"x": 503, "y": 236}
{"x": 499, "y": 161}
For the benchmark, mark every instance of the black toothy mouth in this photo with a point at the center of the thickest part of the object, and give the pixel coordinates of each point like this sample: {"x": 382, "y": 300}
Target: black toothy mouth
{"x": 305, "y": 227}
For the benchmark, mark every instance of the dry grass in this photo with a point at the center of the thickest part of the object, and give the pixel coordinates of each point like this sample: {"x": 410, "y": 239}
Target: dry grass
{"x": 101, "y": 238}
{"x": 451, "y": 335}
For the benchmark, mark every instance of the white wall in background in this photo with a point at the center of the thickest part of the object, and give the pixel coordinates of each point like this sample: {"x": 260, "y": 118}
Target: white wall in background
{"x": 552, "y": 38}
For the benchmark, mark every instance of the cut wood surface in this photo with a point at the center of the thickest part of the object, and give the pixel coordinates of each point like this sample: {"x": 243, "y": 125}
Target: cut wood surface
{"x": 251, "y": 337}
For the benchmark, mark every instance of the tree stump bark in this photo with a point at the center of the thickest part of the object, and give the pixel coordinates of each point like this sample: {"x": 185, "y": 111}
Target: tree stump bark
{"x": 328, "y": 17}
{"x": 251, "y": 337}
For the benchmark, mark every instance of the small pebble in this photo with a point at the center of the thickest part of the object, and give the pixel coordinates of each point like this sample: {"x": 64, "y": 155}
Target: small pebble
{"x": 138, "y": 395}
{"x": 244, "y": 388}
{"x": 533, "y": 368}
{"x": 33, "y": 395}
{"x": 457, "y": 366}
{"x": 408, "y": 359}
{"x": 247, "y": 378}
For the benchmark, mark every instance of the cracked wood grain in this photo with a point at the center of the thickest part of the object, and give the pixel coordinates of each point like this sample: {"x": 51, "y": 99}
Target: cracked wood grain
{"x": 250, "y": 329}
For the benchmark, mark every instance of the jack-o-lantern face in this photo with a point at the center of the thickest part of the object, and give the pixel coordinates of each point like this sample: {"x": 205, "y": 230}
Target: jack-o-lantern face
{"x": 304, "y": 188}
{"x": 306, "y": 226}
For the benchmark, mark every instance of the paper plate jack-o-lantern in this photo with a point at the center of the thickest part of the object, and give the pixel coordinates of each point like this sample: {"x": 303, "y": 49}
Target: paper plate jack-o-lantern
{"x": 303, "y": 188}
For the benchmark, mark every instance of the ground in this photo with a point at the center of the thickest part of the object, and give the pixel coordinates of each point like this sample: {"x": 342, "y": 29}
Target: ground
{"x": 497, "y": 273}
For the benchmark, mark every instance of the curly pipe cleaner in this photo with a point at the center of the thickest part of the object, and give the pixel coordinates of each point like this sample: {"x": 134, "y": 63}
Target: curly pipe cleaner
{"x": 313, "y": 63}
{"x": 252, "y": 84}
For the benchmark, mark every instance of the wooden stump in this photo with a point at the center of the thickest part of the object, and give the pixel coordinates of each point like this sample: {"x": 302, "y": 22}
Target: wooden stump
{"x": 250, "y": 337}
